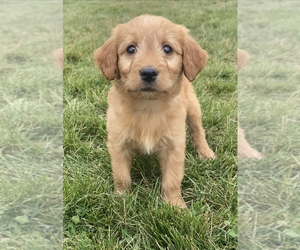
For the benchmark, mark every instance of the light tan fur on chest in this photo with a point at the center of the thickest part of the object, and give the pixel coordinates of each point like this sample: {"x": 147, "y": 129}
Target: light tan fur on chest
{"x": 146, "y": 126}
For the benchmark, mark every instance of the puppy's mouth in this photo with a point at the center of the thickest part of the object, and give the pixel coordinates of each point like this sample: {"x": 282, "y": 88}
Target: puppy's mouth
{"x": 148, "y": 89}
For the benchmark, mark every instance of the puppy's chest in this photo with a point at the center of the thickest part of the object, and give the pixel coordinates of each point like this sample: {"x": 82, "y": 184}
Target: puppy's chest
{"x": 149, "y": 133}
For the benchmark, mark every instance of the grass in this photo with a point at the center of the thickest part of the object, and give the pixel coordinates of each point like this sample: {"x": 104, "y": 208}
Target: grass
{"x": 269, "y": 97}
{"x": 30, "y": 126}
{"x": 93, "y": 217}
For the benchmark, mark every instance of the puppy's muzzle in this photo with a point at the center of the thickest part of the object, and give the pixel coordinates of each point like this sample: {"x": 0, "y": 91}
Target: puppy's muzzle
{"x": 148, "y": 74}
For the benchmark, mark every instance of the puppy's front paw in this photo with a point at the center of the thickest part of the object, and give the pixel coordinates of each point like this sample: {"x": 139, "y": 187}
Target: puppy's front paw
{"x": 176, "y": 202}
{"x": 120, "y": 192}
{"x": 206, "y": 154}
{"x": 121, "y": 188}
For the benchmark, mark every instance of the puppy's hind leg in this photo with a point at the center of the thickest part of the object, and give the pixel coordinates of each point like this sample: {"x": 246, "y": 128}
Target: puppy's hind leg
{"x": 121, "y": 160}
{"x": 196, "y": 130}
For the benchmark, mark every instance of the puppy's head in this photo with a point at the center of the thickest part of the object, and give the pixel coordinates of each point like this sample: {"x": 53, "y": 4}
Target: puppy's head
{"x": 149, "y": 55}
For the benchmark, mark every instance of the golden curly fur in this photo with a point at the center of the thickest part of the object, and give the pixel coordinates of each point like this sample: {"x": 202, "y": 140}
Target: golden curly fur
{"x": 150, "y": 117}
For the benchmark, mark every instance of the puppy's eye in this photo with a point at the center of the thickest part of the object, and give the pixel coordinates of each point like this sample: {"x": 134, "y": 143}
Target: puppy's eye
{"x": 131, "y": 49}
{"x": 167, "y": 49}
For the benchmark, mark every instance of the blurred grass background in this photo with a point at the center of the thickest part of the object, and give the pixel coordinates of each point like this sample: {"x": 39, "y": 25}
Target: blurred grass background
{"x": 269, "y": 100}
{"x": 30, "y": 126}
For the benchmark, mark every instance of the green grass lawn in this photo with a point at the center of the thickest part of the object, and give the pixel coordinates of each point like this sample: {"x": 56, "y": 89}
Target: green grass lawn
{"x": 30, "y": 126}
{"x": 269, "y": 101}
{"x": 93, "y": 217}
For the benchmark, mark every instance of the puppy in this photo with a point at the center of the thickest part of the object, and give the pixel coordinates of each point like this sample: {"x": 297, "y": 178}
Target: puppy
{"x": 244, "y": 148}
{"x": 153, "y": 62}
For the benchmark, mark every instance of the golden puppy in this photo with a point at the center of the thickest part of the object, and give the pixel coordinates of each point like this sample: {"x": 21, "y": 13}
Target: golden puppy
{"x": 153, "y": 62}
{"x": 244, "y": 148}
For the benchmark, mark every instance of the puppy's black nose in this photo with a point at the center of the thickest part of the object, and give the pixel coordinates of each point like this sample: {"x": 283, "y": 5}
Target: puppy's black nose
{"x": 148, "y": 74}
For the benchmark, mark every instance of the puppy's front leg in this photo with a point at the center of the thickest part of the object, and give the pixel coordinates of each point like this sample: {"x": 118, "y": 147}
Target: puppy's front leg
{"x": 121, "y": 160}
{"x": 172, "y": 167}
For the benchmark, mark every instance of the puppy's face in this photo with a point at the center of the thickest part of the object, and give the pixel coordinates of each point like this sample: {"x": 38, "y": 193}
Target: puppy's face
{"x": 148, "y": 56}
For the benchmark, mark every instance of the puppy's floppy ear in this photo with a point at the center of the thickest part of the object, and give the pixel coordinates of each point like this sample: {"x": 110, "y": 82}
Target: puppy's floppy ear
{"x": 243, "y": 58}
{"x": 106, "y": 58}
{"x": 194, "y": 58}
